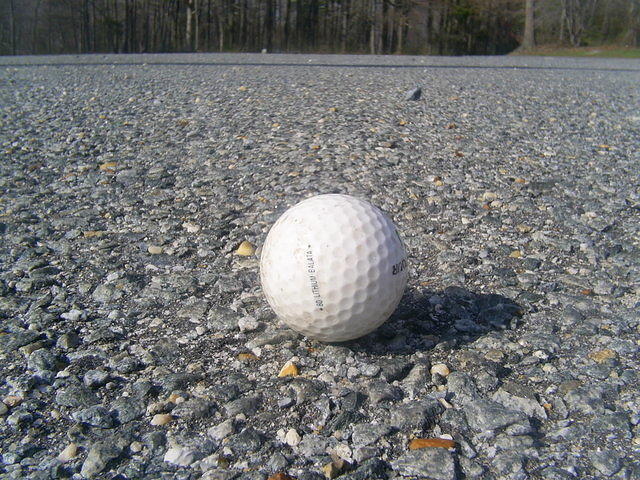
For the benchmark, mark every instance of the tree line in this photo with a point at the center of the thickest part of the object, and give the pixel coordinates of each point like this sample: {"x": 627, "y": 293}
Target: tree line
{"x": 444, "y": 27}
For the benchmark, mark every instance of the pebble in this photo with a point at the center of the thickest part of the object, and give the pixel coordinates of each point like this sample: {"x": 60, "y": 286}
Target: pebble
{"x": 248, "y": 324}
{"x": 222, "y": 430}
{"x": 12, "y": 401}
{"x": 417, "y": 443}
{"x": 484, "y": 415}
{"x": 96, "y": 416}
{"x": 161, "y": 419}
{"x": 68, "y": 453}
{"x": 100, "y": 454}
{"x": 246, "y": 249}
{"x": 289, "y": 369}
{"x": 606, "y": 462}
{"x": 413, "y": 94}
{"x": 292, "y": 438}
{"x": 440, "y": 369}
{"x": 432, "y": 463}
{"x": 602, "y": 356}
{"x": 181, "y": 456}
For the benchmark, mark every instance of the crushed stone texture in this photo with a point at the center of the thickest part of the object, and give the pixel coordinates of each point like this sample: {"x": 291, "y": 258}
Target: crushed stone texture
{"x": 128, "y": 183}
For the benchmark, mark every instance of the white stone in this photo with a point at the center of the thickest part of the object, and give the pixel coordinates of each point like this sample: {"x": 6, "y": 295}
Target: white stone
{"x": 248, "y": 324}
{"x": 292, "y": 438}
{"x": 441, "y": 369}
{"x": 222, "y": 430}
{"x": 68, "y": 453}
{"x": 180, "y": 456}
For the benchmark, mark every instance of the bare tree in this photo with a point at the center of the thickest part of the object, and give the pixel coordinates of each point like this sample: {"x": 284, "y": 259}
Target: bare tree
{"x": 529, "y": 41}
{"x": 577, "y": 15}
{"x": 12, "y": 23}
{"x": 633, "y": 33}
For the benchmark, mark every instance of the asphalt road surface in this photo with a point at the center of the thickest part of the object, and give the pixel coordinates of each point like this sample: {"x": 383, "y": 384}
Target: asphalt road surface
{"x": 136, "y": 342}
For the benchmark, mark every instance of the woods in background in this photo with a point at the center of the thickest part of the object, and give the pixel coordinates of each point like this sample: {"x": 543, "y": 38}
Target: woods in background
{"x": 449, "y": 27}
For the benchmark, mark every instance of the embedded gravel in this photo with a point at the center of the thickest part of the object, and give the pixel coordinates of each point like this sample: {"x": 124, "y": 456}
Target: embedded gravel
{"x": 136, "y": 342}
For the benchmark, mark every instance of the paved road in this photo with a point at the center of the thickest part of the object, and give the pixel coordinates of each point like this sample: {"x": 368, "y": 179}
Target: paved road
{"x": 137, "y": 342}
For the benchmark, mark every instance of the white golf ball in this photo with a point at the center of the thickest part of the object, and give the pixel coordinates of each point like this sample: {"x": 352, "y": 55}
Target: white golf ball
{"x": 333, "y": 267}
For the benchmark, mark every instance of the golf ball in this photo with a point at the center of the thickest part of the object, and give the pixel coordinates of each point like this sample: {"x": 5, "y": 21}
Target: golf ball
{"x": 333, "y": 267}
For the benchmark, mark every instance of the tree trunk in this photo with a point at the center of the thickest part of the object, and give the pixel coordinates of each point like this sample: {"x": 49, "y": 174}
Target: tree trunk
{"x": 529, "y": 41}
{"x": 563, "y": 19}
{"x": 400, "y": 30}
{"x": 189, "y": 26}
{"x": 34, "y": 36}
{"x": 344, "y": 26}
{"x": 12, "y": 23}
{"x": 634, "y": 23}
{"x": 196, "y": 29}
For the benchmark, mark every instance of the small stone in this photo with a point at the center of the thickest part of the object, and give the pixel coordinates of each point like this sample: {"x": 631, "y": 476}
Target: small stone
{"x": 368, "y": 433}
{"x": 194, "y": 408}
{"x": 136, "y": 447}
{"x": 606, "y": 462}
{"x": 289, "y": 370}
{"x": 93, "y": 233}
{"x": 249, "y": 440}
{"x": 602, "y": 356}
{"x": 154, "y": 249}
{"x": 247, "y": 357}
{"x": 99, "y": 456}
{"x": 415, "y": 415}
{"x": 20, "y": 418}
{"x": 586, "y": 400}
{"x": 286, "y": 402}
{"x": 32, "y": 347}
{"x": 191, "y": 227}
{"x": 245, "y": 405}
{"x": 108, "y": 166}
{"x": 3, "y": 408}
{"x": 68, "y": 341}
{"x": 74, "y": 315}
{"x": 487, "y": 415}
{"x": 380, "y": 391}
{"x": 432, "y": 463}
{"x": 246, "y": 249}
{"x": 95, "y": 378}
{"x": 272, "y": 337}
{"x": 68, "y": 453}
{"x": 175, "y": 398}
{"x": 440, "y": 369}
{"x": 292, "y": 438}
{"x": 161, "y": 419}
{"x": 248, "y": 324}
{"x": 417, "y": 443}
{"x": 414, "y": 94}
{"x": 494, "y": 355}
{"x": 12, "y": 400}
{"x": 515, "y": 254}
{"x": 43, "y": 360}
{"x": 489, "y": 197}
{"x": 180, "y": 456}
{"x": 334, "y": 469}
{"x": 222, "y": 430}
{"x": 96, "y": 416}
{"x": 281, "y": 476}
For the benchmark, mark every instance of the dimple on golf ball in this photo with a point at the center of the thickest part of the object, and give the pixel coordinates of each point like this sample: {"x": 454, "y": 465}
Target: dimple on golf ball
{"x": 333, "y": 267}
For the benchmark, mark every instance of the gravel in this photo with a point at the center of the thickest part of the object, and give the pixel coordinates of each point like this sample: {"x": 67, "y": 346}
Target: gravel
{"x": 130, "y": 181}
